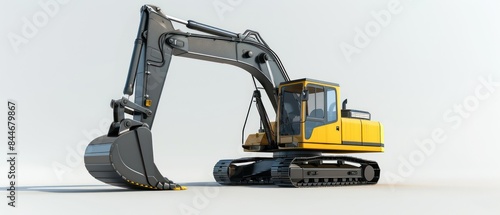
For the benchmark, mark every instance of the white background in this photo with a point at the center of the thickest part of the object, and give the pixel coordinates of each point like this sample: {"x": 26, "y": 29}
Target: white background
{"x": 414, "y": 72}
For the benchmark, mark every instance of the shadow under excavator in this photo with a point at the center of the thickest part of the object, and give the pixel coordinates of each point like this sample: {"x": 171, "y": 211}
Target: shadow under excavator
{"x": 96, "y": 188}
{"x": 72, "y": 189}
{"x": 111, "y": 189}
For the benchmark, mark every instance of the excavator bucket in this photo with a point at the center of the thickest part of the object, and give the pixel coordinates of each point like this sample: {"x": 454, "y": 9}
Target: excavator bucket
{"x": 126, "y": 161}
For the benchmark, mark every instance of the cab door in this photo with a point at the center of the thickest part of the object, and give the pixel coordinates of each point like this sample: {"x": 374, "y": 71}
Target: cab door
{"x": 322, "y": 117}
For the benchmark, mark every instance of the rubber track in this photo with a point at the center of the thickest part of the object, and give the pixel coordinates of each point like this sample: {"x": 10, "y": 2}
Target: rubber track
{"x": 221, "y": 173}
{"x": 280, "y": 172}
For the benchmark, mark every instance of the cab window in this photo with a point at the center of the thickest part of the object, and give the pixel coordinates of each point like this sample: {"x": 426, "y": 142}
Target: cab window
{"x": 321, "y": 107}
{"x": 290, "y": 117}
{"x": 315, "y": 109}
{"x": 331, "y": 104}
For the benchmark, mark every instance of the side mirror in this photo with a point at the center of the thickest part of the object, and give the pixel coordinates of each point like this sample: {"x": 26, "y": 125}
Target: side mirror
{"x": 305, "y": 95}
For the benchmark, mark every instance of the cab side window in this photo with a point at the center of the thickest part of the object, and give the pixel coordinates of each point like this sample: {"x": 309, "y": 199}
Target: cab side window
{"x": 315, "y": 109}
{"x": 331, "y": 104}
{"x": 316, "y": 102}
{"x": 321, "y": 107}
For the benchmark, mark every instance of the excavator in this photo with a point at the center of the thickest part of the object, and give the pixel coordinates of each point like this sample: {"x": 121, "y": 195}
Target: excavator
{"x": 307, "y": 140}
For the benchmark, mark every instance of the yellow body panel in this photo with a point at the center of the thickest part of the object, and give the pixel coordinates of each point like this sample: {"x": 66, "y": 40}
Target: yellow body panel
{"x": 351, "y": 130}
{"x": 371, "y": 131}
{"x": 257, "y": 139}
{"x": 326, "y": 134}
{"x": 361, "y": 131}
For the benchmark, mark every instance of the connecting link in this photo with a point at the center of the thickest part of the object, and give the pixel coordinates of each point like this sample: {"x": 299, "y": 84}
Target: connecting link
{"x": 120, "y": 123}
{"x": 133, "y": 108}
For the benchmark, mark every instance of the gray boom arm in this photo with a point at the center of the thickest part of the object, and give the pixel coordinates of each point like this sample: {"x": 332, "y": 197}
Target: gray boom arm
{"x": 157, "y": 41}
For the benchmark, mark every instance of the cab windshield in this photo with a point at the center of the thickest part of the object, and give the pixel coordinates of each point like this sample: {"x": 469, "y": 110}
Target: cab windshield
{"x": 290, "y": 116}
